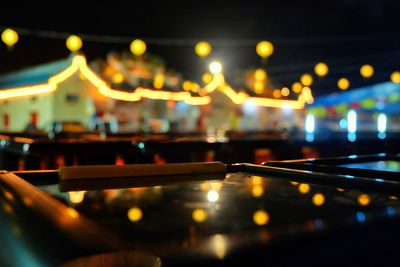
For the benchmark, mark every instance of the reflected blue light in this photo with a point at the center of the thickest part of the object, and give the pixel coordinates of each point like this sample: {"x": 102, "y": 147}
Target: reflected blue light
{"x": 352, "y": 137}
{"x": 343, "y": 123}
{"x": 390, "y": 211}
{"x": 141, "y": 145}
{"x": 352, "y": 121}
{"x": 360, "y": 216}
{"x": 381, "y": 135}
{"x": 310, "y": 123}
{"x": 379, "y": 180}
{"x": 353, "y": 156}
{"x": 310, "y": 137}
{"x": 349, "y": 176}
{"x": 319, "y": 224}
{"x": 382, "y": 123}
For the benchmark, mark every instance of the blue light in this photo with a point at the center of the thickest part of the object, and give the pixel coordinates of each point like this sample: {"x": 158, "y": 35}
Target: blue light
{"x": 381, "y": 135}
{"x": 343, "y": 123}
{"x": 352, "y": 137}
{"x": 390, "y": 211}
{"x": 360, "y": 216}
{"x": 379, "y": 180}
{"x": 382, "y": 123}
{"x": 141, "y": 145}
{"x": 353, "y": 156}
{"x": 310, "y": 137}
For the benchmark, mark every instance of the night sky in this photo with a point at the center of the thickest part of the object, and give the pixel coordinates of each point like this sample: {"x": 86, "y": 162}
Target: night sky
{"x": 344, "y": 34}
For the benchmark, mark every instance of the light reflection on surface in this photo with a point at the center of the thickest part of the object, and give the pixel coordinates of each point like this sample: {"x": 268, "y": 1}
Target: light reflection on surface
{"x": 212, "y": 196}
{"x": 257, "y": 191}
{"x": 318, "y": 199}
{"x": 261, "y": 217}
{"x": 199, "y": 215}
{"x": 304, "y": 188}
{"x": 135, "y": 214}
{"x": 219, "y": 246}
{"x": 364, "y": 199}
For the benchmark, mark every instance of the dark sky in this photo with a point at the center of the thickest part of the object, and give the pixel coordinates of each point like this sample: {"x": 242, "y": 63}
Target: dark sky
{"x": 345, "y": 34}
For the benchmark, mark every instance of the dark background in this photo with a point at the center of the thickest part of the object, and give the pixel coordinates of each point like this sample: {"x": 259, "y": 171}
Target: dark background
{"x": 345, "y": 34}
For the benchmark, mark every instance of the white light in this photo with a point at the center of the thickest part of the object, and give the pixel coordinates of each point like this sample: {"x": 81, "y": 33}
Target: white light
{"x": 212, "y": 196}
{"x": 310, "y": 123}
{"x": 351, "y": 121}
{"x": 382, "y": 122}
{"x": 215, "y": 67}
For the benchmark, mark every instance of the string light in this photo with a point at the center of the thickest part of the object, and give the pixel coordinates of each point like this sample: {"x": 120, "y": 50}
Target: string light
{"x": 367, "y": 71}
{"x": 9, "y": 37}
{"x": 203, "y": 49}
{"x": 74, "y": 43}
{"x": 138, "y": 47}
{"x": 306, "y": 79}
{"x": 395, "y": 77}
{"x": 343, "y": 83}
{"x": 264, "y": 49}
{"x": 321, "y": 69}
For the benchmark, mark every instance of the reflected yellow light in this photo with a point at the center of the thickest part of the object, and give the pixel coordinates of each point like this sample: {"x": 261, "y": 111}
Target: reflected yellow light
{"x": 307, "y": 96}
{"x": 9, "y": 37}
{"x": 364, "y": 199}
{"x": 340, "y": 189}
{"x": 74, "y": 43}
{"x": 159, "y": 80}
{"x": 215, "y": 67}
{"x": 187, "y": 85}
{"x": 296, "y": 87}
{"x": 256, "y": 180}
{"x": 306, "y": 79}
{"x": 264, "y": 49}
{"x": 294, "y": 183}
{"x": 199, "y": 215}
{"x": 393, "y": 198}
{"x": 72, "y": 213}
{"x": 7, "y": 208}
{"x": 138, "y": 47}
{"x": 207, "y": 77}
{"x": 257, "y": 191}
{"x": 216, "y": 186}
{"x": 343, "y": 84}
{"x": 261, "y": 217}
{"x": 8, "y": 195}
{"x": 118, "y": 77}
{"x": 395, "y": 77}
{"x": 321, "y": 69}
{"x": 195, "y": 87}
{"x": 285, "y": 91}
{"x": 277, "y": 93}
{"x": 260, "y": 75}
{"x": 212, "y": 196}
{"x": 318, "y": 199}
{"x": 219, "y": 246}
{"x": 304, "y": 188}
{"x": 203, "y": 49}
{"x": 135, "y": 214}
{"x": 367, "y": 71}
{"x": 259, "y": 87}
{"x": 204, "y": 186}
{"x": 76, "y": 197}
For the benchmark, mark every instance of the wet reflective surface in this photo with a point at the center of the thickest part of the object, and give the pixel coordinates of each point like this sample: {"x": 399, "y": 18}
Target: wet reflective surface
{"x": 243, "y": 216}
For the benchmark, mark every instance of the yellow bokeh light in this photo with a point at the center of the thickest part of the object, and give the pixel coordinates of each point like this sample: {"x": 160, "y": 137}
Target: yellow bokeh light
{"x": 138, "y": 47}
{"x": 207, "y": 77}
{"x": 203, "y": 49}
{"x": 304, "y": 188}
{"x": 306, "y": 79}
{"x": 264, "y": 49}
{"x": 276, "y": 93}
{"x": 285, "y": 91}
{"x": 9, "y": 37}
{"x": 294, "y": 183}
{"x": 135, "y": 214}
{"x": 297, "y": 87}
{"x": 187, "y": 85}
{"x": 364, "y": 199}
{"x": 260, "y": 75}
{"x": 118, "y": 77}
{"x": 261, "y": 217}
{"x": 343, "y": 84}
{"x": 340, "y": 189}
{"x": 159, "y": 80}
{"x": 366, "y": 71}
{"x": 199, "y": 215}
{"x": 393, "y": 198}
{"x": 321, "y": 69}
{"x": 204, "y": 186}
{"x": 72, "y": 213}
{"x": 257, "y": 191}
{"x": 318, "y": 199}
{"x": 74, "y": 43}
{"x": 256, "y": 180}
{"x": 76, "y": 196}
{"x": 259, "y": 87}
{"x": 395, "y": 77}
